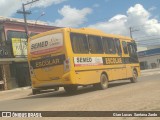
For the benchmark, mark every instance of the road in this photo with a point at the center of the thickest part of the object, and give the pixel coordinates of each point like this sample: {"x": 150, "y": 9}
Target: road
{"x": 120, "y": 96}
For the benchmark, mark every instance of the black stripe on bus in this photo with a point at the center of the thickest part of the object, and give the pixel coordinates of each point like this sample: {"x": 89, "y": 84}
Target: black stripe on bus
{"x": 119, "y": 60}
{"x": 101, "y": 69}
{"x": 48, "y": 61}
{"x": 98, "y": 69}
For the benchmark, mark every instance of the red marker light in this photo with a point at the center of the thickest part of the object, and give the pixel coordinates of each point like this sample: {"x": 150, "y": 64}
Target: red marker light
{"x": 67, "y": 61}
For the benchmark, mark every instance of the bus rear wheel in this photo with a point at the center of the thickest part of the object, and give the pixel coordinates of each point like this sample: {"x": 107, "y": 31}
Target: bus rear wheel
{"x": 70, "y": 88}
{"x": 36, "y": 91}
{"x": 103, "y": 83}
{"x": 134, "y": 76}
{"x": 56, "y": 89}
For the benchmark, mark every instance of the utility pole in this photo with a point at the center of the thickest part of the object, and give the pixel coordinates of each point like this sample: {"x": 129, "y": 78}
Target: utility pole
{"x": 130, "y": 31}
{"x": 24, "y": 12}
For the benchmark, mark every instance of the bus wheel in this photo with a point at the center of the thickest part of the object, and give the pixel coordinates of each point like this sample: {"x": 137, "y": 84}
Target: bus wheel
{"x": 103, "y": 83}
{"x": 134, "y": 76}
{"x": 36, "y": 91}
{"x": 56, "y": 89}
{"x": 70, "y": 88}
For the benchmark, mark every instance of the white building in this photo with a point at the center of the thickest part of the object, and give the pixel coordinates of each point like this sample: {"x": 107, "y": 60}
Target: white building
{"x": 149, "y": 59}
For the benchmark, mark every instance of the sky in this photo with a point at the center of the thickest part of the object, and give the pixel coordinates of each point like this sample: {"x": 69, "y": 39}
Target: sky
{"x": 110, "y": 16}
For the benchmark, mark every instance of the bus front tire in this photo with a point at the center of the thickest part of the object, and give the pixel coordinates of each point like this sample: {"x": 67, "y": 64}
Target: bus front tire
{"x": 70, "y": 88}
{"x": 134, "y": 76}
{"x": 36, "y": 91}
{"x": 103, "y": 83}
{"x": 56, "y": 89}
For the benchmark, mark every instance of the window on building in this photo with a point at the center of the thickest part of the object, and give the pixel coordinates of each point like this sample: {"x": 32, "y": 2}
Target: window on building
{"x": 125, "y": 49}
{"x": 79, "y": 43}
{"x": 143, "y": 65}
{"x": 15, "y": 34}
{"x": 95, "y": 44}
{"x": 109, "y": 46}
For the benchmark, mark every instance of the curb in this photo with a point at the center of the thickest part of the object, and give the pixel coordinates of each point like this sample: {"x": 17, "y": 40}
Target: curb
{"x": 16, "y": 89}
{"x": 148, "y": 70}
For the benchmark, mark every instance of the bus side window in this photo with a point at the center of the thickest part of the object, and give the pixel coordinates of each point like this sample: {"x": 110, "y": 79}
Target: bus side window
{"x": 109, "y": 47}
{"x": 118, "y": 46}
{"x": 132, "y": 49}
{"x": 95, "y": 44}
{"x": 79, "y": 43}
{"x": 125, "y": 49}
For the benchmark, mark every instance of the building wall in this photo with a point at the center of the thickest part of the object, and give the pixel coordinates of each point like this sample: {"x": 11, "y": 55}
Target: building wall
{"x": 5, "y": 76}
{"x": 152, "y": 61}
{"x": 15, "y": 70}
{"x": 149, "y": 59}
{"x": 153, "y": 47}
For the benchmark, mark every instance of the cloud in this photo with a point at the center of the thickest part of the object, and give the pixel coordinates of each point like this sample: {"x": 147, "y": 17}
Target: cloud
{"x": 10, "y": 7}
{"x": 152, "y": 8}
{"x": 46, "y": 3}
{"x": 72, "y": 17}
{"x": 113, "y": 25}
{"x": 136, "y": 17}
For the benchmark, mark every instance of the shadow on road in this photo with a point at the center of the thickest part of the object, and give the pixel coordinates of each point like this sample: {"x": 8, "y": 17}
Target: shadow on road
{"x": 81, "y": 90}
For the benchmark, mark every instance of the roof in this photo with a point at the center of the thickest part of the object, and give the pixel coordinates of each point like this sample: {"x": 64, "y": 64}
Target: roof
{"x": 149, "y": 52}
{"x": 5, "y": 19}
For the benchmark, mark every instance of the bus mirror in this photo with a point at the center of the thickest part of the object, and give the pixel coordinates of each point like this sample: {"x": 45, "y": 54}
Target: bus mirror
{"x": 135, "y": 46}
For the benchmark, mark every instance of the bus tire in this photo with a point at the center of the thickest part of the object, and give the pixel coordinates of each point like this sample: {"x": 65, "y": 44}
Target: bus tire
{"x": 56, "y": 89}
{"x": 103, "y": 83}
{"x": 36, "y": 91}
{"x": 134, "y": 76}
{"x": 70, "y": 88}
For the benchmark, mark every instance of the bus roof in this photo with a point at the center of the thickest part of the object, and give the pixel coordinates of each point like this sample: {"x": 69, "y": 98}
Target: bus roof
{"x": 83, "y": 31}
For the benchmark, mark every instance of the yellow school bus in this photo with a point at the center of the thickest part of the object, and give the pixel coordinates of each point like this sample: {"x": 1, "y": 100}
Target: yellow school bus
{"x": 69, "y": 58}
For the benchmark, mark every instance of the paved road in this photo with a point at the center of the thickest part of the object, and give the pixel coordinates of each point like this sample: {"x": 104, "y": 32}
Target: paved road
{"x": 120, "y": 96}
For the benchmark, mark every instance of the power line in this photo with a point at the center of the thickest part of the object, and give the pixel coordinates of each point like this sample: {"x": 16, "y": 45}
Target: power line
{"x": 25, "y": 13}
{"x": 147, "y": 24}
{"x": 149, "y": 43}
{"x": 148, "y": 39}
{"x": 145, "y": 36}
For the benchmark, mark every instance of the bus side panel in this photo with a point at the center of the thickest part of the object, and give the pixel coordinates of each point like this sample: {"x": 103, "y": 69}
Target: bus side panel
{"x": 90, "y": 77}
{"x": 129, "y": 71}
{"x": 130, "y": 68}
{"x": 138, "y": 69}
{"x": 87, "y": 77}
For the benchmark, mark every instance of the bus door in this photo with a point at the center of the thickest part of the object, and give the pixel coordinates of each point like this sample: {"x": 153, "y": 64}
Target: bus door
{"x": 126, "y": 59}
{"x": 121, "y": 67}
{"x": 133, "y": 52}
{"x": 133, "y": 58}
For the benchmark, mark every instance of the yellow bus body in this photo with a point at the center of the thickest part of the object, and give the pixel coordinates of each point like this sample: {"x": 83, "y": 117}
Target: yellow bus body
{"x": 51, "y": 72}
